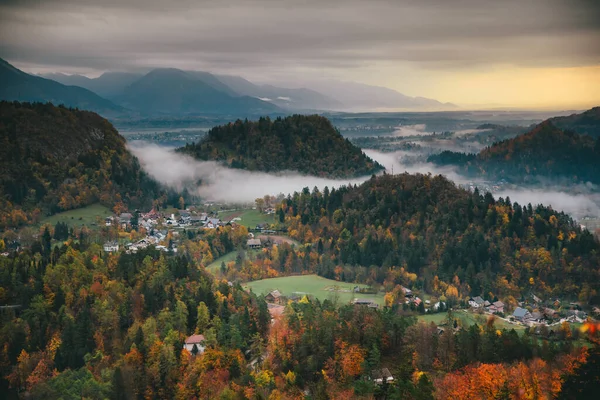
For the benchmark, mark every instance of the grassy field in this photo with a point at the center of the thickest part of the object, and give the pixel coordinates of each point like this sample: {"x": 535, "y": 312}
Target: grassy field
{"x": 250, "y": 218}
{"x": 80, "y": 216}
{"x": 215, "y": 265}
{"x": 313, "y": 285}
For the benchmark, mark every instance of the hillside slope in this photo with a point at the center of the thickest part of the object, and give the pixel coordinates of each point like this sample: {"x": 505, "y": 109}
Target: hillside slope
{"x": 16, "y": 85}
{"x": 172, "y": 91}
{"x": 307, "y": 144}
{"x": 586, "y": 123}
{"x": 544, "y": 152}
{"x": 434, "y": 229}
{"x": 54, "y": 159}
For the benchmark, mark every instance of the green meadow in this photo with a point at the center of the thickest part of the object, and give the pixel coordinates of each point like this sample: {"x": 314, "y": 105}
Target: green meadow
{"x": 313, "y": 285}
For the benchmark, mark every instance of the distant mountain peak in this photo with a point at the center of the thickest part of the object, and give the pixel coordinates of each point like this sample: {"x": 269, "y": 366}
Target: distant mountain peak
{"x": 16, "y": 85}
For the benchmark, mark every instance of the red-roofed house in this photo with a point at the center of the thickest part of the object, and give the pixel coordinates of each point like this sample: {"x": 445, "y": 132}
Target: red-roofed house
{"x": 194, "y": 340}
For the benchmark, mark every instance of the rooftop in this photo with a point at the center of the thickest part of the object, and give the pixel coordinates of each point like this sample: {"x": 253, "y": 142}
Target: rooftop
{"x": 194, "y": 339}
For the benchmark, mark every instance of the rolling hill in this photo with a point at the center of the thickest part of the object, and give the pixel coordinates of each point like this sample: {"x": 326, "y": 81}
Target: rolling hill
{"x": 586, "y": 123}
{"x": 546, "y": 151}
{"x": 16, "y": 85}
{"x": 55, "y": 159}
{"x": 306, "y": 144}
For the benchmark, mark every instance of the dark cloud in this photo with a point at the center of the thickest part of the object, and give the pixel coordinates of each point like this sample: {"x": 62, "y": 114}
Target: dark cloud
{"x": 278, "y": 34}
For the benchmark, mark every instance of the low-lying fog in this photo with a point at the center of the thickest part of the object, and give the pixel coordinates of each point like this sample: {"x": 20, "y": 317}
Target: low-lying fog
{"x": 232, "y": 185}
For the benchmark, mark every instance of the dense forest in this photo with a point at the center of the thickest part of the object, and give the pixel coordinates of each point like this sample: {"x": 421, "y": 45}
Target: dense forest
{"x": 82, "y": 323}
{"x": 544, "y": 152}
{"x": 55, "y": 159}
{"x": 306, "y": 144}
{"x": 586, "y": 123}
{"x": 425, "y": 225}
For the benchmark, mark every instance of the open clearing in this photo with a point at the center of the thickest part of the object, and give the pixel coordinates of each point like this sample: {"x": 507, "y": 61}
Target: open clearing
{"x": 215, "y": 265}
{"x": 319, "y": 287}
{"x": 80, "y": 216}
{"x": 278, "y": 239}
{"x": 249, "y": 218}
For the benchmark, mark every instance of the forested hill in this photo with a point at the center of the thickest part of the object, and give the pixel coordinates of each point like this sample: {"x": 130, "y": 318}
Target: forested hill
{"x": 546, "y": 151}
{"x": 307, "y": 144}
{"x": 586, "y": 123}
{"x": 432, "y": 228}
{"x": 54, "y": 159}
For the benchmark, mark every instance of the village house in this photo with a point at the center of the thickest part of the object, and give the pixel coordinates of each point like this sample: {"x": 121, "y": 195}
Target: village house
{"x": 476, "y": 302}
{"x": 253, "y": 243}
{"x": 212, "y": 223}
{"x": 521, "y": 314}
{"x": 274, "y": 297}
{"x": 537, "y": 317}
{"x": 379, "y": 376}
{"x": 549, "y": 313}
{"x": 496, "y": 307}
{"x": 195, "y": 341}
{"x": 407, "y": 292}
{"x": 125, "y": 220}
{"x": 578, "y": 315}
{"x": 438, "y": 305}
{"x": 111, "y": 247}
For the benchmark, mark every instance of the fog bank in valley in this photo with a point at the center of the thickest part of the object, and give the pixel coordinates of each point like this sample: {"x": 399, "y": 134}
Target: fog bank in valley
{"x": 220, "y": 183}
{"x": 213, "y": 181}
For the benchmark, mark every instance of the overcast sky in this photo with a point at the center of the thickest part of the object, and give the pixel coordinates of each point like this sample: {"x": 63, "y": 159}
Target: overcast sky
{"x": 523, "y": 53}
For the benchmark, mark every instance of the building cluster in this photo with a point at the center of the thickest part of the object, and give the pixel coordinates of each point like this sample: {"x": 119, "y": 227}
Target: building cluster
{"x": 157, "y": 226}
{"x": 533, "y": 311}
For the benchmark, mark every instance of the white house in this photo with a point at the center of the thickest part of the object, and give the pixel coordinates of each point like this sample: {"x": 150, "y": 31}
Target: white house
{"x": 111, "y": 247}
{"x": 195, "y": 340}
{"x": 381, "y": 375}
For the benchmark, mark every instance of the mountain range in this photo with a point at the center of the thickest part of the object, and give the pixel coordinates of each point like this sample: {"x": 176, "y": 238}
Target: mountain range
{"x": 17, "y": 85}
{"x": 169, "y": 91}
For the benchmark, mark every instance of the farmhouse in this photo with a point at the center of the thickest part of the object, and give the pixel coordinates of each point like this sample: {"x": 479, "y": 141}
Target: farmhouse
{"x": 274, "y": 297}
{"x": 195, "y": 341}
{"x": 496, "y": 307}
{"x": 253, "y": 243}
{"x": 365, "y": 302}
{"x": 521, "y": 314}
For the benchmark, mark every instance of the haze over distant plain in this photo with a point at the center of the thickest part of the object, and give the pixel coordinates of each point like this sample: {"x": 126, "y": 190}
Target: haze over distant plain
{"x": 476, "y": 53}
